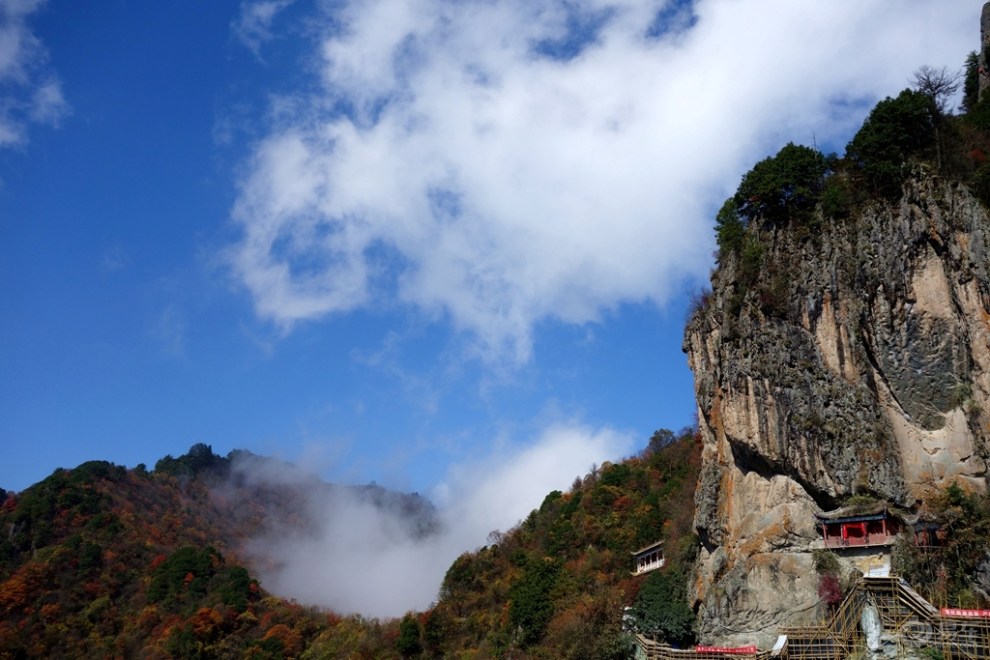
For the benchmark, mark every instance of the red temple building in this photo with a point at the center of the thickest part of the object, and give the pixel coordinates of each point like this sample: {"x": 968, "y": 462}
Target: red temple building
{"x": 858, "y": 527}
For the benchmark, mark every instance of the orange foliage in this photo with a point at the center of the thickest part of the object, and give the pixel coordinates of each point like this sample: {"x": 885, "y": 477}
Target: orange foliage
{"x": 148, "y": 618}
{"x": 291, "y": 640}
{"x": 206, "y": 622}
{"x": 19, "y": 588}
{"x": 50, "y": 611}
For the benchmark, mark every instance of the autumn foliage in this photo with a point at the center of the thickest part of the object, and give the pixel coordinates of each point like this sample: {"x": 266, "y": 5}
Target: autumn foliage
{"x": 102, "y": 561}
{"x": 556, "y": 585}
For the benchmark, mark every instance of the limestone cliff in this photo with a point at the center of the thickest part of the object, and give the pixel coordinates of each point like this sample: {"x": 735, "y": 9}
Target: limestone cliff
{"x": 856, "y": 361}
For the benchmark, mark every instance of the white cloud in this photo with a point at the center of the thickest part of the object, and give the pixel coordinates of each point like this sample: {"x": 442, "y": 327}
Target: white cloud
{"x": 47, "y": 104}
{"x": 29, "y": 93}
{"x": 362, "y": 558}
{"x": 253, "y": 26}
{"x": 501, "y": 490}
{"x": 478, "y": 181}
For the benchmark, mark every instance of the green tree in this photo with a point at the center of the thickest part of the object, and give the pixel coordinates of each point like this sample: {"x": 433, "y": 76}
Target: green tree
{"x": 729, "y": 228}
{"x": 182, "y": 643}
{"x": 784, "y": 187}
{"x": 530, "y": 604}
{"x": 200, "y": 459}
{"x": 971, "y": 81}
{"x": 236, "y": 588}
{"x": 185, "y": 576}
{"x": 896, "y": 130}
{"x": 660, "y": 439}
{"x": 661, "y": 610}
{"x": 433, "y": 633}
{"x": 408, "y": 643}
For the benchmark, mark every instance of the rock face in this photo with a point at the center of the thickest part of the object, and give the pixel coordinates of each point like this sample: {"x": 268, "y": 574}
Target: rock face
{"x": 857, "y": 362}
{"x": 984, "y": 42}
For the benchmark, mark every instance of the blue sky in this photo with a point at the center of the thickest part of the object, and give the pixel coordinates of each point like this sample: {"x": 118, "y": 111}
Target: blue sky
{"x": 391, "y": 238}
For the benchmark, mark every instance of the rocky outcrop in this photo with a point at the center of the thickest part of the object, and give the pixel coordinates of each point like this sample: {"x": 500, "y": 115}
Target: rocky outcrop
{"x": 857, "y": 362}
{"x": 984, "y": 80}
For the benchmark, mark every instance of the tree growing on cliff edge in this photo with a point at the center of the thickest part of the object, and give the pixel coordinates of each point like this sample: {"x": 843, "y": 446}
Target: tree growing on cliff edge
{"x": 971, "y": 81}
{"x": 896, "y": 130}
{"x": 937, "y": 84}
{"x": 784, "y": 187}
{"x": 780, "y": 189}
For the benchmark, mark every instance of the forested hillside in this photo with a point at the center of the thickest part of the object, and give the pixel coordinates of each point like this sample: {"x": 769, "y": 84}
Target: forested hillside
{"x": 556, "y": 586}
{"x": 103, "y": 561}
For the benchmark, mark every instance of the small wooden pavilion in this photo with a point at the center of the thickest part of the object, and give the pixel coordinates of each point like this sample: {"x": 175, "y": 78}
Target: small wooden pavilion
{"x": 648, "y": 559}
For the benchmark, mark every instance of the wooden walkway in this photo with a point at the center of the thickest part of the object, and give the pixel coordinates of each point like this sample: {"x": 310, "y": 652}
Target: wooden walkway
{"x": 651, "y": 650}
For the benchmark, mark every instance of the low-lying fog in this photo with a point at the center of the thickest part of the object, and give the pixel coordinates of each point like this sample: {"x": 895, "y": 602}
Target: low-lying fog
{"x": 364, "y": 556}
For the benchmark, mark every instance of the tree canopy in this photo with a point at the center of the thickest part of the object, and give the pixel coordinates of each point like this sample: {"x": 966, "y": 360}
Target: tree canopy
{"x": 783, "y": 187}
{"x": 896, "y": 130}
{"x": 661, "y": 611}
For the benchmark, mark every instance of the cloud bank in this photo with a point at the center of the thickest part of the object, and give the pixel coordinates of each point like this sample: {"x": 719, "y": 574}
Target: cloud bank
{"x": 497, "y": 164}
{"x": 29, "y": 91}
{"x": 361, "y": 558}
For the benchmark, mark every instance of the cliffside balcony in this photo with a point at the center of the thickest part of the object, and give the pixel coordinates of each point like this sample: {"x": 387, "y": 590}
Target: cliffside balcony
{"x": 648, "y": 559}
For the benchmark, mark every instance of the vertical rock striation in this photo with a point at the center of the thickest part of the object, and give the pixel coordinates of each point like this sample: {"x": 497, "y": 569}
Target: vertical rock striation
{"x": 984, "y": 43}
{"x": 856, "y": 363}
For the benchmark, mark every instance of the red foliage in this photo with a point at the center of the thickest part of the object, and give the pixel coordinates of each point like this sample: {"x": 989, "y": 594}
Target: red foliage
{"x": 829, "y": 589}
{"x": 93, "y": 588}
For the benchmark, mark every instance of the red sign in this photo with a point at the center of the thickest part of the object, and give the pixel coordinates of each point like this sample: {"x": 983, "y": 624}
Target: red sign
{"x": 736, "y": 650}
{"x": 969, "y": 614}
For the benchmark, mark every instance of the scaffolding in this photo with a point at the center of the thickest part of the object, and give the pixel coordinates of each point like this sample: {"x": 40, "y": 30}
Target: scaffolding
{"x": 910, "y": 626}
{"x": 909, "y": 623}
